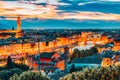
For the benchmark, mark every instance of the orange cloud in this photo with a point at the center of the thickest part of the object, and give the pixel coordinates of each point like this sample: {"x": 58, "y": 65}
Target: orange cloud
{"x": 31, "y": 10}
{"x": 11, "y": 11}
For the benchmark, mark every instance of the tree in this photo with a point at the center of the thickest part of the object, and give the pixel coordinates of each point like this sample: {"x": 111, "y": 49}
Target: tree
{"x": 83, "y": 53}
{"x": 72, "y": 69}
{"x": 23, "y": 67}
{"x": 14, "y": 77}
{"x": 16, "y": 71}
{"x": 30, "y": 75}
{"x": 6, "y": 74}
{"x": 107, "y": 73}
{"x": 22, "y": 60}
{"x": 75, "y": 54}
{"x": 10, "y": 64}
{"x": 94, "y": 49}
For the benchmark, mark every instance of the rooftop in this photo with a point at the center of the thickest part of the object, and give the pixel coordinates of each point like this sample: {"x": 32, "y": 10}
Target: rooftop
{"x": 47, "y": 54}
{"x": 50, "y": 68}
{"x": 87, "y": 60}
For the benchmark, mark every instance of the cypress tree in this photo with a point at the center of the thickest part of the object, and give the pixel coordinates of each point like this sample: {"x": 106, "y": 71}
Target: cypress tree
{"x": 10, "y": 64}
{"x": 72, "y": 69}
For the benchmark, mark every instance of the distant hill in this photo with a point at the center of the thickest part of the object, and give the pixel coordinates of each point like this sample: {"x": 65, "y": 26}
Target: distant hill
{"x": 3, "y": 26}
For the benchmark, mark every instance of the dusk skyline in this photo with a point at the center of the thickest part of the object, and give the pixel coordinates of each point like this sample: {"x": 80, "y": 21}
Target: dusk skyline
{"x": 60, "y": 14}
{"x": 59, "y": 39}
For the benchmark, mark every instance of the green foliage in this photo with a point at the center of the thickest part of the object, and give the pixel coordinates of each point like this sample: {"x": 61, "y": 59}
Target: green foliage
{"x": 29, "y": 75}
{"x": 6, "y": 74}
{"x": 14, "y": 77}
{"x": 83, "y": 53}
{"x": 12, "y": 68}
{"x": 2, "y": 68}
{"x": 75, "y": 54}
{"x": 16, "y": 74}
{"x": 23, "y": 67}
{"x": 108, "y": 73}
{"x": 22, "y": 60}
{"x": 16, "y": 70}
{"x": 12, "y": 65}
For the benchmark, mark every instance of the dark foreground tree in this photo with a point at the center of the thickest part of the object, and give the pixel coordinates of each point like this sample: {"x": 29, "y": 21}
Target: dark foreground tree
{"x": 10, "y": 64}
{"x": 72, "y": 69}
{"x": 6, "y": 74}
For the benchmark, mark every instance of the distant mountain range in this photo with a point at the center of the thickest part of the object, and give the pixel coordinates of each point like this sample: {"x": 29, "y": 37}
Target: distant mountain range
{"x": 3, "y": 26}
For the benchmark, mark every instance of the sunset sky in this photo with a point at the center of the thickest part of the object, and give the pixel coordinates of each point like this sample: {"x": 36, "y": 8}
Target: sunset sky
{"x": 60, "y": 14}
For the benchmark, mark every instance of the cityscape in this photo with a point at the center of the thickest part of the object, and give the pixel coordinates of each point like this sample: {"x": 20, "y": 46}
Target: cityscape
{"x": 59, "y": 40}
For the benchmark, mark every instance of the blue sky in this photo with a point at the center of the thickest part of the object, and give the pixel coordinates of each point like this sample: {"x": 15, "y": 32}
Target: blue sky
{"x": 61, "y": 14}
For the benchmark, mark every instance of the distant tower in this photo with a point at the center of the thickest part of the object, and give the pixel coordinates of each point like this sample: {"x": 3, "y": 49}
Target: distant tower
{"x": 18, "y": 24}
{"x": 18, "y": 31}
{"x": 13, "y": 28}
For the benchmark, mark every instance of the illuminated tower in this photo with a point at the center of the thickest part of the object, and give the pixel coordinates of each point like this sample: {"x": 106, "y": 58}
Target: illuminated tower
{"x": 18, "y": 31}
{"x": 18, "y": 24}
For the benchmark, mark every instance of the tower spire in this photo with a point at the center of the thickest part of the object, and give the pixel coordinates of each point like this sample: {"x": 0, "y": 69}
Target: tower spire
{"x": 18, "y": 23}
{"x": 18, "y": 31}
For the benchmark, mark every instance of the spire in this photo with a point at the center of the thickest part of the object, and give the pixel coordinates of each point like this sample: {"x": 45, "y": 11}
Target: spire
{"x": 18, "y": 23}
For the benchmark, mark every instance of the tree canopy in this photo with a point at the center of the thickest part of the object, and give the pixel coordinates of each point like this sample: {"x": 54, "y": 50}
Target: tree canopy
{"x": 83, "y": 53}
{"x": 6, "y": 74}
{"x": 107, "y": 73}
{"x": 29, "y": 75}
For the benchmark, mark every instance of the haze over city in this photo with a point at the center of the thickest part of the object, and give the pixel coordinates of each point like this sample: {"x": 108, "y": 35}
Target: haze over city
{"x": 61, "y": 14}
